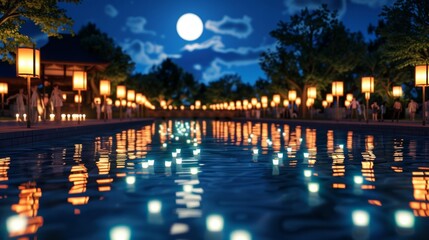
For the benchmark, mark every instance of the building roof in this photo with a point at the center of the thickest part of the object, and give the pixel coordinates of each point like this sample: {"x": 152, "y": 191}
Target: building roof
{"x": 68, "y": 51}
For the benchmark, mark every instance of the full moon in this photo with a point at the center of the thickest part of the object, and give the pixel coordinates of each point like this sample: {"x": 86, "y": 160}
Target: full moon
{"x": 189, "y": 27}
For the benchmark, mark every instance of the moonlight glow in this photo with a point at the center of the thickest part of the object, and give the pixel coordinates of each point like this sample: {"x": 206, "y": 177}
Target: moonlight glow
{"x": 189, "y": 27}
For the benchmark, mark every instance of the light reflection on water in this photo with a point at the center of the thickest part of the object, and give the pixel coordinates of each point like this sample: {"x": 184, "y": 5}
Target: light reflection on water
{"x": 218, "y": 180}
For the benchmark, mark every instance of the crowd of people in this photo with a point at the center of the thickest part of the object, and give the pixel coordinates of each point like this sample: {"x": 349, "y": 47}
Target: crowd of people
{"x": 377, "y": 112}
{"x": 38, "y": 106}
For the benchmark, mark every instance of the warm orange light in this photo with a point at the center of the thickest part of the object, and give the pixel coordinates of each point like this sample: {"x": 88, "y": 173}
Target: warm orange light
{"x": 121, "y": 91}
{"x": 245, "y": 103}
{"x": 105, "y": 87}
{"x": 139, "y": 98}
{"x": 276, "y": 98}
{"x": 143, "y": 100}
{"x": 298, "y": 101}
{"x": 310, "y": 102}
{"x": 347, "y": 103}
{"x": 292, "y": 95}
{"x": 367, "y": 95}
{"x": 3, "y": 88}
{"x": 349, "y": 97}
{"x": 28, "y": 62}
{"x": 337, "y": 88}
{"x": 311, "y": 92}
{"x": 285, "y": 103}
{"x": 197, "y": 104}
{"x": 329, "y": 98}
{"x": 368, "y": 84}
{"x": 131, "y": 95}
{"x": 397, "y": 91}
{"x": 79, "y": 80}
{"x": 77, "y": 98}
{"x": 264, "y": 100}
{"x": 421, "y": 76}
{"x": 238, "y": 104}
{"x": 97, "y": 100}
{"x": 254, "y": 101}
{"x": 324, "y": 103}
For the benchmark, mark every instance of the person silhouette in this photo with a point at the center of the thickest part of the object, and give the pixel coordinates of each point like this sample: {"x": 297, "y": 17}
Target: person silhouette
{"x": 20, "y": 105}
{"x": 57, "y": 102}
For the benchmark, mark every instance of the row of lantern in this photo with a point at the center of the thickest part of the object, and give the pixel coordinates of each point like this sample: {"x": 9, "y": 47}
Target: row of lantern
{"x": 253, "y": 103}
{"x": 124, "y": 97}
{"x": 337, "y": 91}
{"x": 28, "y": 65}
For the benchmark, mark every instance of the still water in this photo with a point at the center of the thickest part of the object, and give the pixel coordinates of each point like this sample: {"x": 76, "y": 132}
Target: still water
{"x": 181, "y": 179}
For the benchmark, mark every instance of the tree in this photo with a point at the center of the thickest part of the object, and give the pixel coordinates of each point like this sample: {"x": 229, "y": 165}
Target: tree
{"x": 46, "y": 14}
{"x": 171, "y": 83}
{"x": 404, "y": 27}
{"x": 228, "y": 88}
{"x": 402, "y": 42}
{"x": 100, "y": 44}
{"x": 313, "y": 49}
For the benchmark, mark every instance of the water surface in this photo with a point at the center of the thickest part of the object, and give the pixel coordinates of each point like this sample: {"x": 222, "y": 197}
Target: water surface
{"x": 229, "y": 180}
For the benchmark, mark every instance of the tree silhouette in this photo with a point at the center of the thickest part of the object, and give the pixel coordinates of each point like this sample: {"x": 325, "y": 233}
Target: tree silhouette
{"x": 46, "y": 14}
{"x": 313, "y": 49}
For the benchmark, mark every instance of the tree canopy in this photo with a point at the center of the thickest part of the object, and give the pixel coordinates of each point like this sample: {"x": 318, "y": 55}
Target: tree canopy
{"x": 46, "y": 14}
{"x": 100, "y": 44}
{"x": 404, "y": 28}
{"x": 313, "y": 49}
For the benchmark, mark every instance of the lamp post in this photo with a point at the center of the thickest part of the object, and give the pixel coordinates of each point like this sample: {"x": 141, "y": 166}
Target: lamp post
{"x": 309, "y": 103}
{"x": 298, "y": 102}
{"x": 337, "y": 91}
{"x": 144, "y": 102}
{"x": 79, "y": 84}
{"x": 325, "y": 104}
{"x": 139, "y": 98}
{"x": 421, "y": 78}
{"x": 28, "y": 65}
{"x": 264, "y": 103}
{"x": 131, "y": 97}
{"x": 121, "y": 92}
{"x": 78, "y": 100}
{"x": 286, "y": 106}
{"x": 105, "y": 91}
{"x": 329, "y": 98}
{"x": 367, "y": 88}
{"x": 3, "y": 91}
{"x": 253, "y": 101}
{"x": 311, "y": 94}
{"x": 291, "y": 95}
{"x": 277, "y": 99}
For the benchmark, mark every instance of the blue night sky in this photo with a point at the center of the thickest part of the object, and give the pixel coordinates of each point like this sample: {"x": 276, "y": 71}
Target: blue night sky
{"x": 235, "y": 31}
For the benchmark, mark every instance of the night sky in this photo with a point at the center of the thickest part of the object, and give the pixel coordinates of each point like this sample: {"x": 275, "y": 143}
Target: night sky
{"x": 235, "y": 31}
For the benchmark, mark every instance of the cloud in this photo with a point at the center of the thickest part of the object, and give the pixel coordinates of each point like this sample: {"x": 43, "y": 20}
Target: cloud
{"x": 215, "y": 43}
{"x": 198, "y": 67}
{"x": 137, "y": 25}
{"x": 110, "y": 11}
{"x": 145, "y": 54}
{"x": 373, "y": 3}
{"x": 295, "y": 6}
{"x": 219, "y": 68}
{"x": 239, "y": 28}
